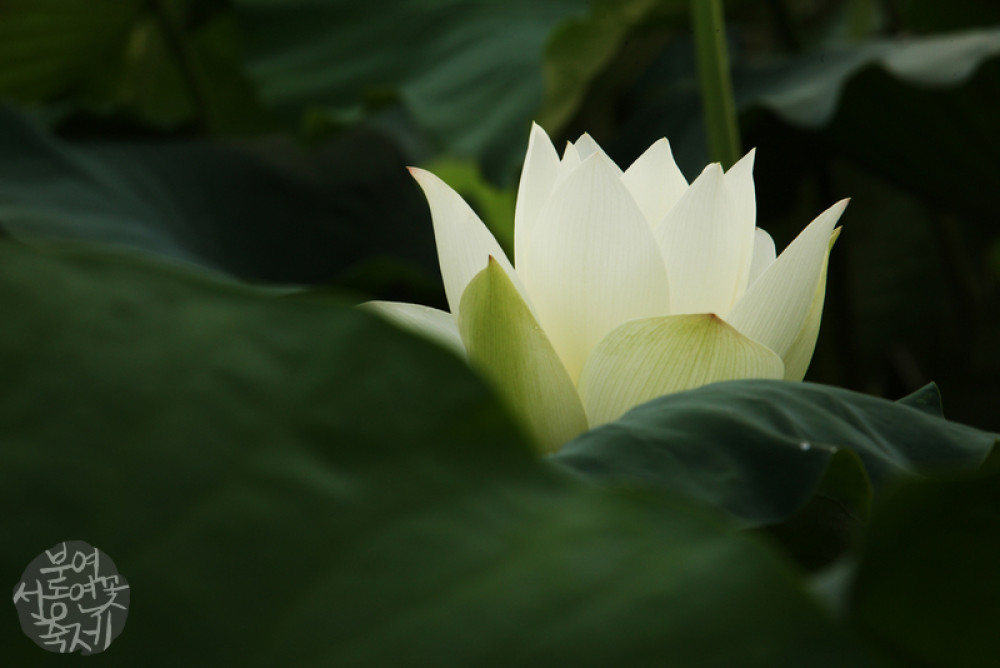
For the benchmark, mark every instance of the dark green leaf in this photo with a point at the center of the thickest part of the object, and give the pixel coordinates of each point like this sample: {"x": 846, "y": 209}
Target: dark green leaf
{"x": 759, "y": 448}
{"x": 470, "y": 73}
{"x": 926, "y": 399}
{"x": 288, "y": 482}
{"x": 927, "y": 590}
{"x": 830, "y": 522}
{"x": 262, "y": 210}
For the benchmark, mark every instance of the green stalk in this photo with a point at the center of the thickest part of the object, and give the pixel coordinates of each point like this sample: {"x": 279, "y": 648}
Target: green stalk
{"x": 716, "y": 85}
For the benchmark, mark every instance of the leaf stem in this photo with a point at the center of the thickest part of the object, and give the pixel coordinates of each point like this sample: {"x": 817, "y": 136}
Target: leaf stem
{"x": 716, "y": 85}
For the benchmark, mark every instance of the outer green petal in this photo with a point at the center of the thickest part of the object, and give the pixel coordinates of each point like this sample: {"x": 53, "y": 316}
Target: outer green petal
{"x": 644, "y": 359}
{"x": 431, "y": 323}
{"x": 506, "y": 343}
{"x": 800, "y": 354}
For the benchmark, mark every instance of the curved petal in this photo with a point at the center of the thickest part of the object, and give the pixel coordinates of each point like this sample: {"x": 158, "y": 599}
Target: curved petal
{"x": 586, "y": 146}
{"x": 739, "y": 181}
{"x": 567, "y": 164}
{"x": 775, "y": 307}
{"x": 506, "y": 343}
{"x": 706, "y": 246}
{"x": 655, "y": 181}
{"x": 464, "y": 244}
{"x": 431, "y": 323}
{"x": 644, "y": 359}
{"x": 592, "y": 263}
{"x": 800, "y": 354}
{"x": 763, "y": 255}
{"x": 538, "y": 176}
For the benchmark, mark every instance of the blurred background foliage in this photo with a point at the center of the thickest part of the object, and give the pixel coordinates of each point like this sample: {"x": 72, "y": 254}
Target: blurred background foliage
{"x": 189, "y": 156}
{"x": 266, "y": 139}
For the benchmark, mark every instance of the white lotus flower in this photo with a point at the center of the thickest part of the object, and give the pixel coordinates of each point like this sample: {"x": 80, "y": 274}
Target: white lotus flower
{"x": 628, "y": 285}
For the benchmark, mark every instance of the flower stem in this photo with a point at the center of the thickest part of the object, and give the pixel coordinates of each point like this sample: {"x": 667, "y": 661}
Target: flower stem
{"x": 716, "y": 85}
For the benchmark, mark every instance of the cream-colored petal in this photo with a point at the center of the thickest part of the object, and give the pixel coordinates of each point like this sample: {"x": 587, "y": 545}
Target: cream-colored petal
{"x": 506, "y": 343}
{"x": 586, "y": 146}
{"x": 706, "y": 246}
{"x": 567, "y": 164}
{"x": 655, "y": 181}
{"x": 739, "y": 180}
{"x": 800, "y": 354}
{"x": 464, "y": 244}
{"x": 592, "y": 263}
{"x": 538, "y": 176}
{"x": 431, "y": 323}
{"x": 570, "y": 154}
{"x": 763, "y": 254}
{"x": 644, "y": 359}
{"x": 775, "y": 307}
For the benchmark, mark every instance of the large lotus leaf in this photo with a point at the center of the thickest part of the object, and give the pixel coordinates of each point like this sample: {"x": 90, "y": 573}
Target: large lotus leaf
{"x": 262, "y": 210}
{"x": 297, "y": 483}
{"x": 807, "y": 90}
{"x": 470, "y": 73}
{"x": 759, "y": 448}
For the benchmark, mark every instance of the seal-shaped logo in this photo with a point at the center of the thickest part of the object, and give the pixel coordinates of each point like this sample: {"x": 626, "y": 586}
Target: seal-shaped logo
{"x": 72, "y": 598}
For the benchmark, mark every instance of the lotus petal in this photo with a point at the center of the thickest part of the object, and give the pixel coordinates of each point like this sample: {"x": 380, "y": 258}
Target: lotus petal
{"x": 644, "y": 359}
{"x": 655, "y": 181}
{"x": 706, "y": 246}
{"x": 464, "y": 244}
{"x": 506, "y": 343}
{"x": 800, "y": 354}
{"x": 763, "y": 255}
{"x": 431, "y": 323}
{"x": 538, "y": 176}
{"x": 592, "y": 263}
{"x": 774, "y": 309}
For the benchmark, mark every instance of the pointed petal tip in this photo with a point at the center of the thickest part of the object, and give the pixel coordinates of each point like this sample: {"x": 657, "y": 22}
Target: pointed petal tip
{"x": 421, "y": 175}
{"x": 747, "y": 160}
{"x": 713, "y": 168}
{"x": 537, "y": 129}
{"x": 597, "y": 160}
{"x": 837, "y": 209}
